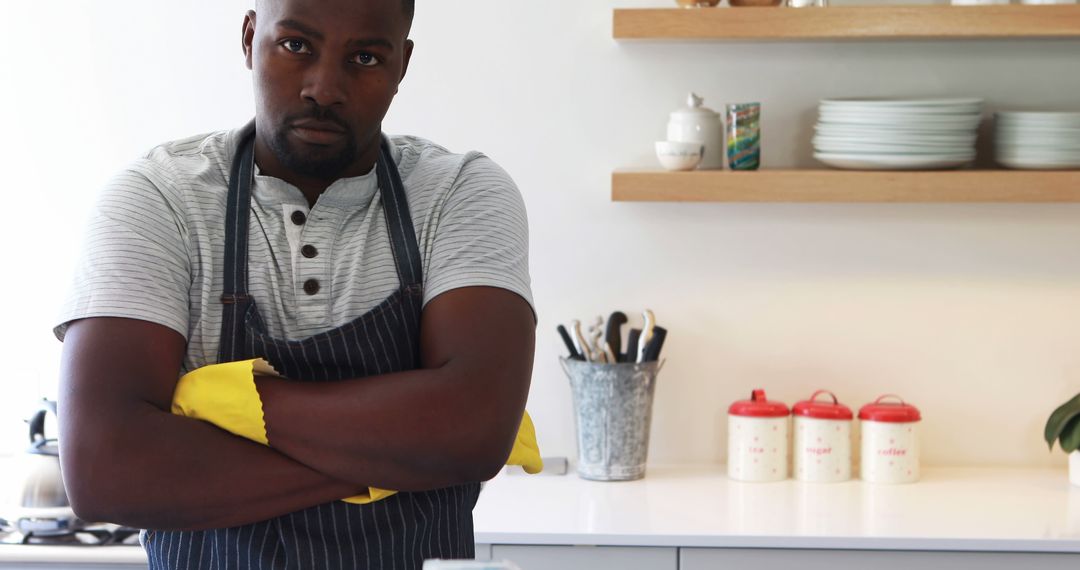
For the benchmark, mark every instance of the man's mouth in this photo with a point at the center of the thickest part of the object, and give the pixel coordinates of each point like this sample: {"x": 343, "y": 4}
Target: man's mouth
{"x": 318, "y": 132}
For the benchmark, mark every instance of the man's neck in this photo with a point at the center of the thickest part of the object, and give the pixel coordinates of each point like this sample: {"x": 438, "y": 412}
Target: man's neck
{"x": 311, "y": 187}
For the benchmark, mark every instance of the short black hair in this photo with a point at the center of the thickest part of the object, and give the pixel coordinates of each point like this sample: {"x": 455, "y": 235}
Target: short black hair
{"x": 410, "y": 8}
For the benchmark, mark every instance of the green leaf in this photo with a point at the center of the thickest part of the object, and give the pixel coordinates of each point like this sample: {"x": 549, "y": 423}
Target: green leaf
{"x": 1061, "y": 416}
{"x": 1070, "y": 436}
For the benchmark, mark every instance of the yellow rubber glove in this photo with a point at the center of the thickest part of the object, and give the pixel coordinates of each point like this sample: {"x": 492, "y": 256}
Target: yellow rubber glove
{"x": 225, "y": 395}
{"x": 526, "y": 452}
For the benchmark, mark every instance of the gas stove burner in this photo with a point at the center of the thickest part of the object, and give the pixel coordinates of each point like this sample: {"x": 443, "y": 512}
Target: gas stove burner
{"x": 98, "y": 535}
{"x": 89, "y": 537}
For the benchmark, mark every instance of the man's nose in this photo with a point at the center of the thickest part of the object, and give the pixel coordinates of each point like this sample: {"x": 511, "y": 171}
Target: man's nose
{"x": 324, "y": 83}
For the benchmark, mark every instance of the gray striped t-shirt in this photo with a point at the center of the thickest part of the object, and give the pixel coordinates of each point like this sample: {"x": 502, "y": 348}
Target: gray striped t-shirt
{"x": 154, "y": 249}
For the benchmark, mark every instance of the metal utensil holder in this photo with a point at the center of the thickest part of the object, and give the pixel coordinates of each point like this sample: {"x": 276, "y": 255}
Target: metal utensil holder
{"x": 612, "y": 414}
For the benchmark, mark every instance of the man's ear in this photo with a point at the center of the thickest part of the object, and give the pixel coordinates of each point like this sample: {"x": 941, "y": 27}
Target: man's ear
{"x": 405, "y": 62}
{"x": 248, "y": 36}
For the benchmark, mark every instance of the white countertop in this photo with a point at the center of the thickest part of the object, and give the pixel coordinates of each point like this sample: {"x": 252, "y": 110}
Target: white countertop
{"x": 967, "y": 509}
{"x": 71, "y": 555}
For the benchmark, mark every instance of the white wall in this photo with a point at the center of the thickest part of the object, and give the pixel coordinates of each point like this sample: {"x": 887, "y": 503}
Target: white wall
{"x": 968, "y": 311}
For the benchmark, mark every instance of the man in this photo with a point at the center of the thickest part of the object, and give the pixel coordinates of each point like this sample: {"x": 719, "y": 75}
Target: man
{"x": 388, "y": 282}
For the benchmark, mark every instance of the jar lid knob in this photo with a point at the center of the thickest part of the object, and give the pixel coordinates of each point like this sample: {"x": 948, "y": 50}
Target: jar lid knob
{"x": 694, "y": 100}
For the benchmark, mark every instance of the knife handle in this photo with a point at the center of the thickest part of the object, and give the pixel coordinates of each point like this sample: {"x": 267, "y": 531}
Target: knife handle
{"x": 632, "y": 345}
{"x": 613, "y": 332}
{"x": 565, "y": 334}
{"x": 652, "y": 350}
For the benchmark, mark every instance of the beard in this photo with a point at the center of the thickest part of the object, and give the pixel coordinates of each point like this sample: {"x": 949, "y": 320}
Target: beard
{"x": 313, "y": 161}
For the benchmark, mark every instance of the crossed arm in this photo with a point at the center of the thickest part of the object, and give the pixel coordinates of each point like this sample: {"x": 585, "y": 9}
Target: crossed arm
{"x": 128, "y": 460}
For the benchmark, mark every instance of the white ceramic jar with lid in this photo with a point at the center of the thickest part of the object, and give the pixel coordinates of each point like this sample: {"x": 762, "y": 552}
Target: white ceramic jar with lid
{"x": 697, "y": 124}
{"x": 758, "y": 439}
{"x": 822, "y": 452}
{"x": 890, "y": 441}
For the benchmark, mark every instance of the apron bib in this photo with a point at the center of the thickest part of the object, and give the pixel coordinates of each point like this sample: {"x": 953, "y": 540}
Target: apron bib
{"x": 397, "y": 532}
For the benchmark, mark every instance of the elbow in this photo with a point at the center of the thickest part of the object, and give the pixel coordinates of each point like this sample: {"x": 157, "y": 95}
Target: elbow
{"x": 86, "y": 500}
{"x": 92, "y": 490}
{"x": 485, "y": 457}
{"x": 484, "y": 468}
{"x": 86, "y": 509}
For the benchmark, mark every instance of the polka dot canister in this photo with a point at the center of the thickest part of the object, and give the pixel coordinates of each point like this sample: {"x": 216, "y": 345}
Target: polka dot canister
{"x": 822, "y": 450}
{"x": 758, "y": 439}
{"x": 890, "y": 441}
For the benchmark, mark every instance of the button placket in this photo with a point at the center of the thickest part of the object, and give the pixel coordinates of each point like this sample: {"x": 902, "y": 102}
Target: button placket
{"x": 311, "y": 269}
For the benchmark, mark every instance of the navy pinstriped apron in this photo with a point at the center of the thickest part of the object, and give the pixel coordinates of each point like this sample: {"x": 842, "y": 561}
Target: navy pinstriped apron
{"x": 397, "y": 532}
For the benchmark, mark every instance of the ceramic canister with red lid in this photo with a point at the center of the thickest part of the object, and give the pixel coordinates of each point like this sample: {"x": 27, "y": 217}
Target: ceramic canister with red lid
{"x": 890, "y": 441}
{"x": 822, "y": 452}
{"x": 757, "y": 439}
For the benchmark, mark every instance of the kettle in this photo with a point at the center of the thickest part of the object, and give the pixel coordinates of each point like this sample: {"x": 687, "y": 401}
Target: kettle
{"x": 41, "y": 506}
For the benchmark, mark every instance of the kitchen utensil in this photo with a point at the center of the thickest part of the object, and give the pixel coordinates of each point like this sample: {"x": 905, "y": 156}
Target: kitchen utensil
{"x": 632, "y": 339}
{"x": 609, "y": 353}
{"x": 580, "y": 343}
{"x": 613, "y": 330}
{"x": 757, "y": 439}
{"x": 646, "y": 334}
{"x": 822, "y": 449}
{"x": 565, "y": 336}
{"x": 890, "y": 441}
{"x": 677, "y": 156}
{"x": 698, "y": 124}
{"x": 656, "y": 344}
{"x": 595, "y": 340}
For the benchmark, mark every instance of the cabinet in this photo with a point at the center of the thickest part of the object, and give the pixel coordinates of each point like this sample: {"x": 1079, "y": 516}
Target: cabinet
{"x": 714, "y": 558}
{"x": 927, "y": 22}
{"x": 587, "y": 557}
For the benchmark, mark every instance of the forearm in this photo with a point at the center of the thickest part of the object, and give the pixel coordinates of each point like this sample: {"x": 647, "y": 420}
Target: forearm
{"x": 412, "y": 430}
{"x": 157, "y": 470}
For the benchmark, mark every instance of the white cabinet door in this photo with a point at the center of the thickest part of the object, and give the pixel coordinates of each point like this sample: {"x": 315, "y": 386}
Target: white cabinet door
{"x": 587, "y": 557}
{"x": 723, "y": 558}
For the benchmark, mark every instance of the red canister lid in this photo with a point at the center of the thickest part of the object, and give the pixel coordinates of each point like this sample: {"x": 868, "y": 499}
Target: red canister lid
{"x": 890, "y": 412}
{"x": 758, "y": 407}
{"x": 812, "y": 408}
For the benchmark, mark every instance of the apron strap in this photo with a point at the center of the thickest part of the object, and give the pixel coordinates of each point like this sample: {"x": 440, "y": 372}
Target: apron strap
{"x": 399, "y": 221}
{"x": 237, "y": 213}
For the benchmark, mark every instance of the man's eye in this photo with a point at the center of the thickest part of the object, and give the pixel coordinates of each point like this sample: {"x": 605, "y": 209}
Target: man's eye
{"x": 366, "y": 59}
{"x": 295, "y": 46}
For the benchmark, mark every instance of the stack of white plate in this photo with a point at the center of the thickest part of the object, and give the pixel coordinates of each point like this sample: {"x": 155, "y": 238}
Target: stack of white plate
{"x": 897, "y": 134}
{"x": 1037, "y": 140}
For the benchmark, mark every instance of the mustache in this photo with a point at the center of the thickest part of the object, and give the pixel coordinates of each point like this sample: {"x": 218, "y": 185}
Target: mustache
{"x": 319, "y": 113}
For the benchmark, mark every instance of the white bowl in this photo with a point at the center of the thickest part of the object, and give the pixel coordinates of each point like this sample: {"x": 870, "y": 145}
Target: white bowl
{"x": 675, "y": 155}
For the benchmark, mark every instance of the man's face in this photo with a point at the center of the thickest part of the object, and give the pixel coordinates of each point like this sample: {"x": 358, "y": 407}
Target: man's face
{"x": 325, "y": 74}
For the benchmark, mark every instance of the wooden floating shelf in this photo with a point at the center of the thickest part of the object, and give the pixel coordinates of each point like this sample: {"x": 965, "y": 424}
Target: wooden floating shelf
{"x": 928, "y": 22}
{"x": 952, "y": 186}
